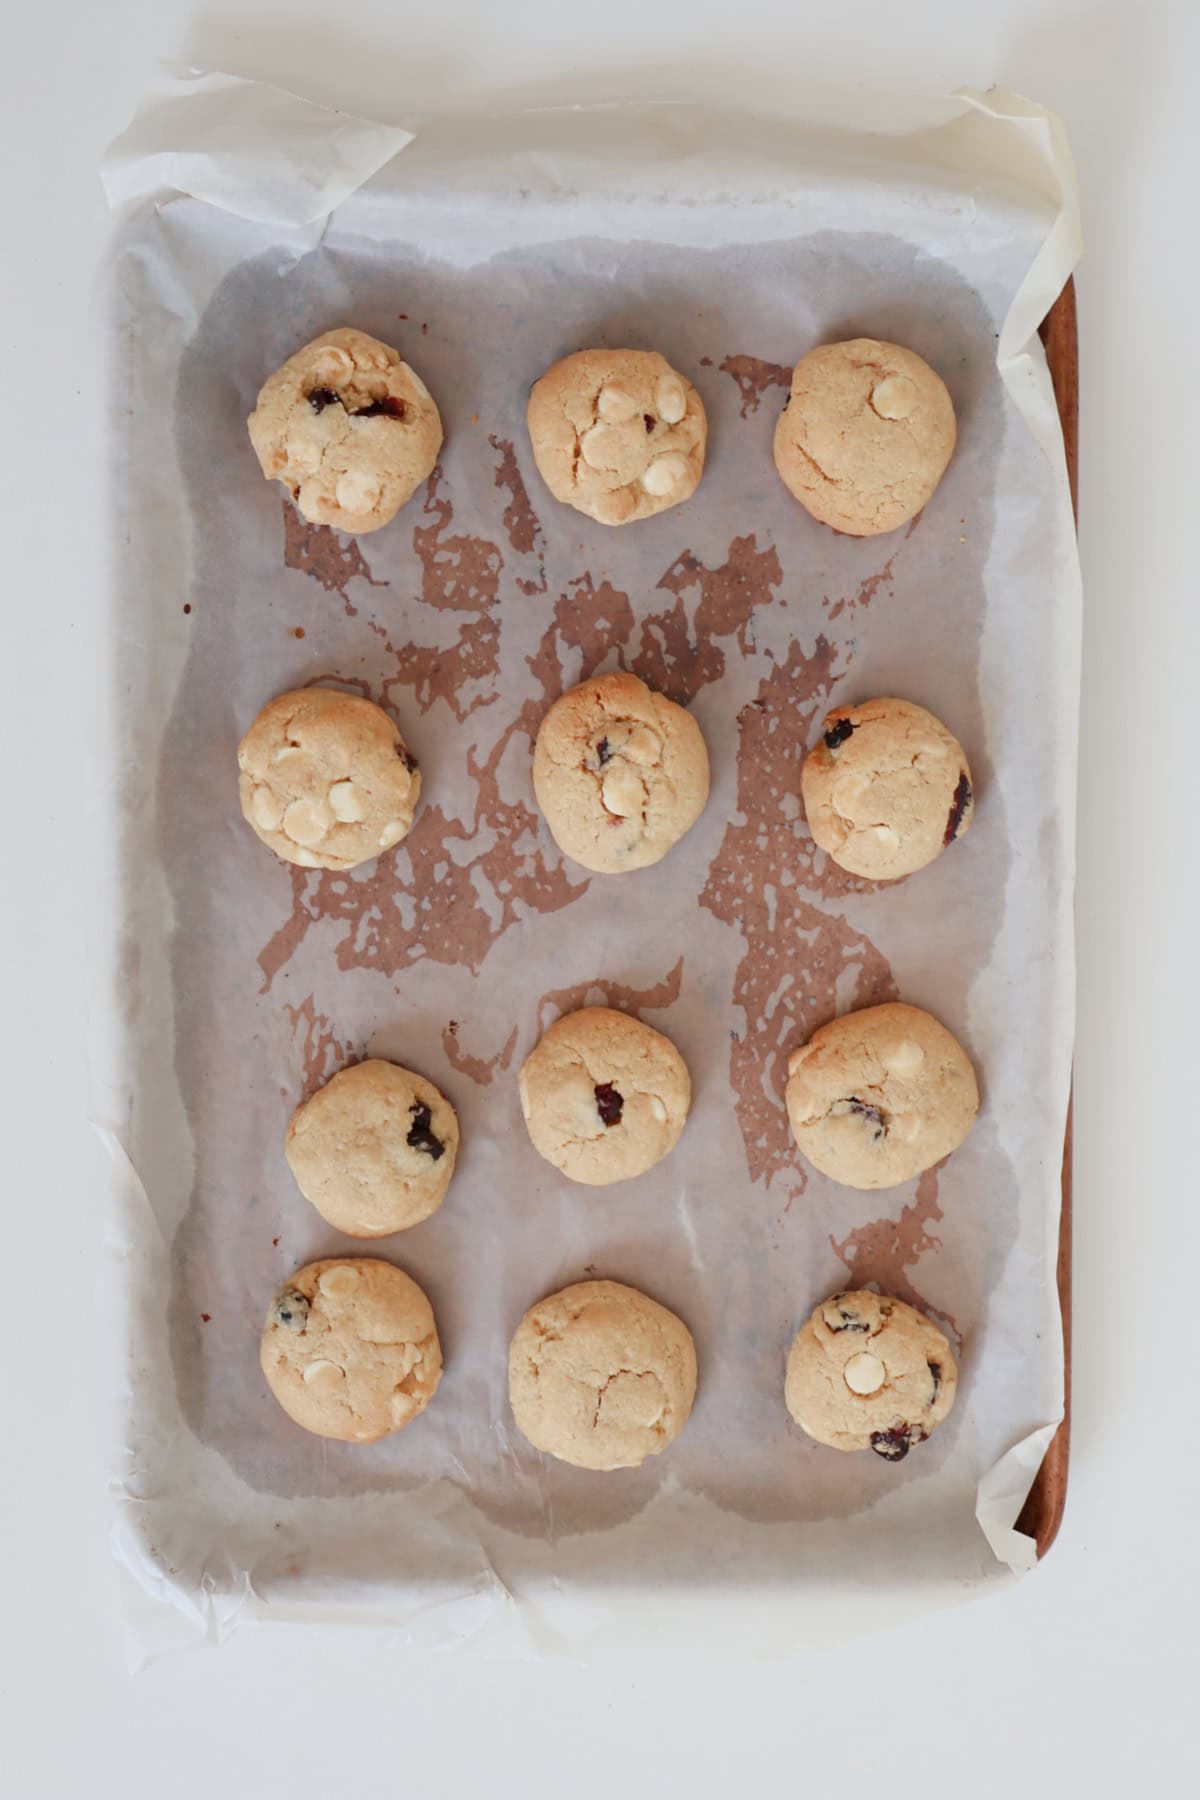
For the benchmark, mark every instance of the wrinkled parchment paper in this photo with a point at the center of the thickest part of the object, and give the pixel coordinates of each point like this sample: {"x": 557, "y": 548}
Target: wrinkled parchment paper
{"x": 484, "y": 252}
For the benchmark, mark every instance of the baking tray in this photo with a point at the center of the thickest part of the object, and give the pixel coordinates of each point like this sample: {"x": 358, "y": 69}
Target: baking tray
{"x": 295, "y": 603}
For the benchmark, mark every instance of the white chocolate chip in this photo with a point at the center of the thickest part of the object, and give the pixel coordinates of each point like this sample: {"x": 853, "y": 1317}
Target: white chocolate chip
{"x": 307, "y": 821}
{"x": 392, "y": 832}
{"x": 347, "y": 802}
{"x": 665, "y": 474}
{"x": 904, "y": 1058}
{"x": 615, "y": 405}
{"x": 894, "y": 397}
{"x": 356, "y": 492}
{"x": 304, "y": 859}
{"x": 601, "y": 446}
{"x": 267, "y": 809}
{"x": 339, "y": 1282}
{"x": 864, "y": 1373}
{"x": 670, "y": 400}
{"x": 658, "y": 1109}
{"x": 284, "y": 751}
{"x": 326, "y": 1373}
{"x": 416, "y": 381}
{"x": 885, "y": 837}
{"x": 333, "y": 365}
{"x": 622, "y": 793}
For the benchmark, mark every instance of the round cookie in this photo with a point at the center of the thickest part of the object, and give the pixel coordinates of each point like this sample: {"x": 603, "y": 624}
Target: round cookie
{"x": 350, "y": 1349}
{"x": 865, "y": 435}
{"x": 880, "y": 1095}
{"x": 886, "y": 788}
{"x": 601, "y": 1376}
{"x": 866, "y": 1372}
{"x": 604, "y": 1096}
{"x": 348, "y": 428}
{"x": 374, "y": 1149}
{"x": 326, "y": 779}
{"x": 620, "y": 773}
{"x": 617, "y": 434}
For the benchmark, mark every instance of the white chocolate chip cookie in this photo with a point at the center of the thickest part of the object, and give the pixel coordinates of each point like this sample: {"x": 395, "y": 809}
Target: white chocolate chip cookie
{"x": 600, "y": 1376}
{"x": 877, "y": 1096}
{"x": 617, "y": 434}
{"x": 886, "y": 788}
{"x": 374, "y": 1149}
{"x": 604, "y": 1096}
{"x": 348, "y": 428}
{"x": 865, "y": 435}
{"x": 867, "y": 1372}
{"x": 326, "y": 779}
{"x": 620, "y": 772}
{"x": 350, "y": 1349}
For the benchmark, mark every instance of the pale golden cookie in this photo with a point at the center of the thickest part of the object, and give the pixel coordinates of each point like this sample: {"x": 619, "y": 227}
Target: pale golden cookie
{"x": 880, "y": 1095}
{"x": 374, "y": 1149}
{"x": 867, "y": 1372}
{"x": 604, "y": 1096}
{"x": 350, "y": 1349}
{"x": 620, "y": 772}
{"x": 348, "y": 428}
{"x": 326, "y": 779}
{"x": 865, "y": 435}
{"x": 886, "y": 788}
{"x": 617, "y": 434}
{"x": 600, "y": 1376}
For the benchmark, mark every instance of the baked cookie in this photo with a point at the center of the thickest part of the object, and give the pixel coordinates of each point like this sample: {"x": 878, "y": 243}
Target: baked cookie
{"x": 326, "y": 779}
{"x": 869, "y": 1373}
{"x": 374, "y": 1149}
{"x": 877, "y": 1096}
{"x": 348, "y": 428}
{"x": 865, "y": 435}
{"x": 617, "y": 434}
{"x": 604, "y": 1096}
{"x": 886, "y": 788}
{"x": 601, "y": 1376}
{"x": 350, "y": 1349}
{"x": 620, "y": 772}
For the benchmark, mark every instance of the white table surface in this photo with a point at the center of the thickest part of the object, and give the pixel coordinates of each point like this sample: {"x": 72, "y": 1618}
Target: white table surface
{"x": 1088, "y": 1668}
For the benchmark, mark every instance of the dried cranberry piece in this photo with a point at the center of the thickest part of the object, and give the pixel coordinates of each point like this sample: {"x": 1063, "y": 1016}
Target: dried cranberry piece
{"x": 609, "y": 1104}
{"x": 419, "y": 1134}
{"x": 837, "y": 734}
{"x": 871, "y": 1113}
{"x": 407, "y": 758}
{"x": 958, "y": 806}
{"x": 603, "y": 752}
{"x": 320, "y": 398}
{"x": 649, "y": 420}
{"x": 387, "y": 408}
{"x": 935, "y": 1369}
{"x": 893, "y": 1445}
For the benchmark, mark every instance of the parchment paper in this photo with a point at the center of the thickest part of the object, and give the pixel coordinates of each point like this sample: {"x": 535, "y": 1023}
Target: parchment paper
{"x": 484, "y": 253}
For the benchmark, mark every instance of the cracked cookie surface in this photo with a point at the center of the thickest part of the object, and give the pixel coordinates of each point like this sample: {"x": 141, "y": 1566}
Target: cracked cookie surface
{"x": 605, "y": 1097}
{"x": 880, "y": 1095}
{"x": 601, "y": 1376}
{"x": 886, "y": 788}
{"x": 374, "y": 1149}
{"x": 326, "y": 779}
{"x": 865, "y": 435}
{"x": 350, "y": 1349}
{"x": 617, "y": 434}
{"x": 866, "y": 1372}
{"x": 620, "y": 773}
{"x": 348, "y": 428}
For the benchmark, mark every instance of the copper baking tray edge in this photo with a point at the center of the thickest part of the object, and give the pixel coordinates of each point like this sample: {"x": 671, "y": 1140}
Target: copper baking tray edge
{"x": 1042, "y": 1512}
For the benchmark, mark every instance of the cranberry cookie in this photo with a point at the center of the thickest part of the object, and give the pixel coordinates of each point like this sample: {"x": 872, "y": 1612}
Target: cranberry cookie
{"x": 601, "y": 1376}
{"x": 869, "y": 1373}
{"x": 865, "y": 435}
{"x": 348, "y": 428}
{"x": 326, "y": 779}
{"x": 620, "y": 773}
{"x": 617, "y": 434}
